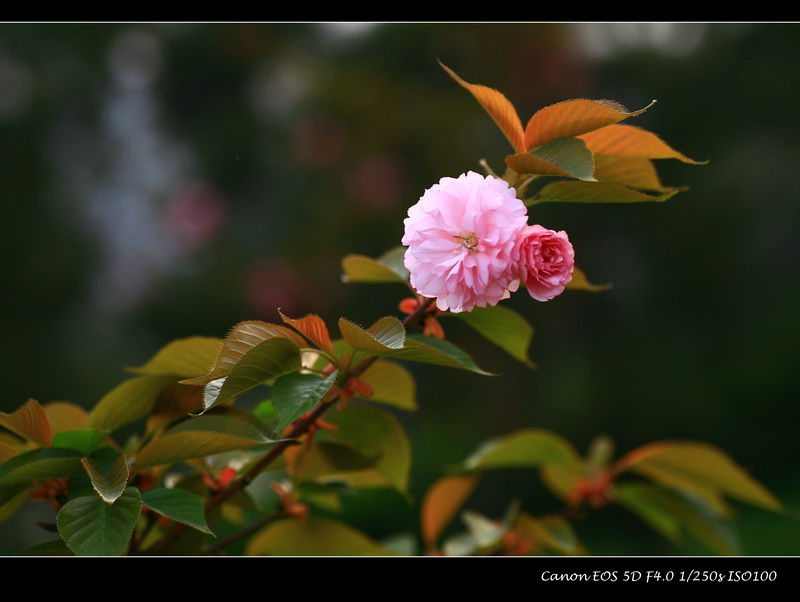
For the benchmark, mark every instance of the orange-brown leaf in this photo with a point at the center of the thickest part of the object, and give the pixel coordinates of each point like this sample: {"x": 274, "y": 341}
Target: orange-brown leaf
{"x": 241, "y": 339}
{"x": 636, "y": 172}
{"x": 9, "y": 447}
{"x": 30, "y": 421}
{"x": 579, "y": 282}
{"x": 499, "y": 108}
{"x": 441, "y": 503}
{"x": 697, "y": 467}
{"x": 572, "y": 118}
{"x": 65, "y": 416}
{"x": 174, "y": 400}
{"x": 630, "y": 141}
{"x": 313, "y": 328}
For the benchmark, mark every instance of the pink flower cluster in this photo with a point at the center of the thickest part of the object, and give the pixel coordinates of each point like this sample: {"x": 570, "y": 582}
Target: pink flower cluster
{"x": 469, "y": 245}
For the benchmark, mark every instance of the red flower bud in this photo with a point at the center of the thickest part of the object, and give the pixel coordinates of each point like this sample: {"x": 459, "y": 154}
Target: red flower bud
{"x": 433, "y": 328}
{"x": 408, "y": 306}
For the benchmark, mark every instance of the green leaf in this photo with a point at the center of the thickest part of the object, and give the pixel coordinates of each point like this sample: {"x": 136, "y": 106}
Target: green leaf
{"x": 112, "y": 487}
{"x": 200, "y": 436}
{"x": 56, "y": 547}
{"x": 90, "y": 527}
{"x": 343, "y": 352}
{"x": 367, "y": 449}
{"x": 562, "y": 479}
{"x": 179, "y": 505}
{"x": 127, "y": 402}
{"x": 504, "y": 327}
{"x": 697, "y": 467}
{"x": 41, "y": 464}
{"x": 527, "y": 448}
{"x": 11, "y": 498}
{"x": 270, "y": 359}
{"x": 373, "y": 432}
{"x": 666, "y": 510}
{"x": 391, "y": 384}
{"x": 387, "y": 334}
{"x": 387, "y": 268}
{"x": 295, "y": 394}
{"x": 395, "y": 259}
{"x": 441, "y": 503}
{"x": 193, "y": 542}
{"x": 430, "y": 350}
{"x": 567, "y": 157}
{"x": 242, "y": 338}
{"x": 548, "y": 532}
{"x": 265, "y": 411}
{"x": 484, "y": 531}
{"x": 652, "y": 505}
{"x": 183, "y": 358}
{"x": 596, "y": 192}
{"x": 313, "y": 537}
{"x": 84, "y": 442}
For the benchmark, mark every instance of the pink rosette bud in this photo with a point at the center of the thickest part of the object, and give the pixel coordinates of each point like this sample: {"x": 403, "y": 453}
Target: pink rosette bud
{"x": 546, "y": 261}
{"x": 462, "y": 242}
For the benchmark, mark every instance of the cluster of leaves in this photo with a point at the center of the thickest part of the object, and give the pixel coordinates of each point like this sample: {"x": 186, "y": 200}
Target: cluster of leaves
{"x": 201, "y": 456}
{"x": 582, "y": 142}
{"x": 62, "y": 453}
{"x": 208, "y": 450}
{"x": 683, "y": 491}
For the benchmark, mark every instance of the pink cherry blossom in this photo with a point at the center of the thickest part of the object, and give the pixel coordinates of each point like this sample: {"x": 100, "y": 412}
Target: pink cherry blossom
{"x": 546, "y": 261}
{"x": 462, "y": 239}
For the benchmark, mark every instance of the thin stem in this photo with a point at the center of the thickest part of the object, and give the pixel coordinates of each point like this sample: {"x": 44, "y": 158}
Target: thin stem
{"x": 486, "y": 168}
{"x": 522, "y": 186}
{"x": 414, "y": 318}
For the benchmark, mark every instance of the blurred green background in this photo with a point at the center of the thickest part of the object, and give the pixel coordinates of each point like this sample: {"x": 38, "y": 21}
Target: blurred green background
{"x": 167, "y": 180}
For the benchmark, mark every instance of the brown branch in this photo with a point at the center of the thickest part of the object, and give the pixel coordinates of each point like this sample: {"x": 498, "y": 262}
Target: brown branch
{"x": 413, "y": 319}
